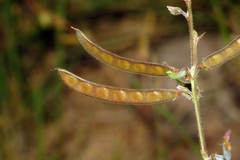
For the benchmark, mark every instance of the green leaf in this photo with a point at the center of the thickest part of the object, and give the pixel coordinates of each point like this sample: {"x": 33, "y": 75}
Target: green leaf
{"x": 178, "y": 75}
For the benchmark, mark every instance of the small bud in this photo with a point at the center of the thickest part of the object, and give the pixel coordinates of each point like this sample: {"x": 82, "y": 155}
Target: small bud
{"x": 226, "y": 140}
{"x": 195, "y": 34}
{"x": 227, "y": 145}
{"x": 178, "y": 75}
{"x": 227, "y": 135}
{"x": 176, "y": 11}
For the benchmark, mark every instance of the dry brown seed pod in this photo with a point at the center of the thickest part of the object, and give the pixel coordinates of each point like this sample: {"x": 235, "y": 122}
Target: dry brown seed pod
{"x": 117, "y": 95}
{"x": 222, "y": 56}
{"x": 121, "y": 63}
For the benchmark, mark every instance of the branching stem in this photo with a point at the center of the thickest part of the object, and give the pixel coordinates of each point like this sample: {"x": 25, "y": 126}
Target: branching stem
{"x": 194, "y": 70}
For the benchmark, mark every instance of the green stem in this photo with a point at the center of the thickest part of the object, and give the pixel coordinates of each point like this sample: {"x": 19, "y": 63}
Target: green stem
{"x": 191, "y": 33}
{"x": 194, "y": 70}
{"x": 195, "y": 99}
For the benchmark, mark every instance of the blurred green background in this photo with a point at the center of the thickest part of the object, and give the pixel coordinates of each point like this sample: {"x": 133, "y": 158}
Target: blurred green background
{"x": 41, "y": 119}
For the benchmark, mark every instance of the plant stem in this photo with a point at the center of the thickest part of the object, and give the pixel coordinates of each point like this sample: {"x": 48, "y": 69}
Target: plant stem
{"x": 194, "y": 70}
{"x": 191, "y": 33}
{"x": 195, "y": 99}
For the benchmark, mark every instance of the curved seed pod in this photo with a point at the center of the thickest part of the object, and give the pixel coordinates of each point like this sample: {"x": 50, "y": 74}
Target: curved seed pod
{"x": 117, "y": 95}
{"x": 222, "y": 56}
{"x": 118, "y": 62}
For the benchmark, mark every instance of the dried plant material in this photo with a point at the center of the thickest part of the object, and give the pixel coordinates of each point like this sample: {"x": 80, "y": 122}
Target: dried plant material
{"x": 117, "y": 95}
{"x": 176, "y": 11}
{"x": 222, "y": 56}
{"x": 121, "y": 63}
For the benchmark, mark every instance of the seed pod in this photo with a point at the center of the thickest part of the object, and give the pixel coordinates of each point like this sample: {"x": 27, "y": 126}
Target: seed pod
{"x": 222, "y": 56}
{"x": 117, "y": 95}
{"x": 121, "y": 63}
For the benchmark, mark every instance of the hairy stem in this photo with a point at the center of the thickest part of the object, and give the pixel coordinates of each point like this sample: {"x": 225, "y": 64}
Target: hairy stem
{"x": 194, "y": 70}
{"x": 195, "y": 99}
{"x": 191, "y": 33}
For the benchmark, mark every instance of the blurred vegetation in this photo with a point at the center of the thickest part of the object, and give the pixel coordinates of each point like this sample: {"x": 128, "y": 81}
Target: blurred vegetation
{"x": 37, "y": 37}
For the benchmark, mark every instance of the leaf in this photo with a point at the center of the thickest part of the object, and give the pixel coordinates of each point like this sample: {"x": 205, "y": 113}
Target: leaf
{"x": 222, "y": 56}
{"x": 117, "y": 95}
{"x": 176, "y": 11}
{"x": 178, "y": 75}
{"x": 121, "y": 63}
